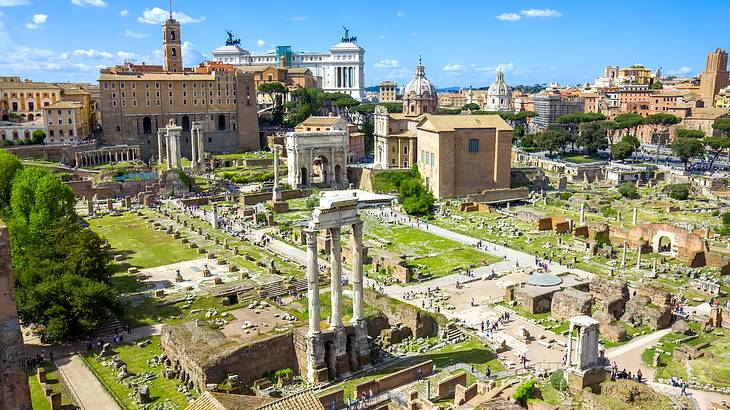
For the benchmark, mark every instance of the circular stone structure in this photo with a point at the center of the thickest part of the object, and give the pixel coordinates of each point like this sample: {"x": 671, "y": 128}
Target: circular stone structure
{"x": 544, "y": 279}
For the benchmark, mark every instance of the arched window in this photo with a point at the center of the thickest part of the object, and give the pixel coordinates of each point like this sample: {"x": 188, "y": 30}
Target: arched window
{"x": 221, "y": 122}
{"x": 174, "y": 53}
{"x": 473, "y": 145}
{"x": 147, "y": 125}
{"x": 271, "y": 77}
{"x": 172, "y": 35}
{"x": 185, "y": 123}
{"x": 31, "y": 117}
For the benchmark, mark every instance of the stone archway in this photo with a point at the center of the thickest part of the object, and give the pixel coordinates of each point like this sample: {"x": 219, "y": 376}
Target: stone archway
{"x": 304, "y": 176}
{"x": 338, "y": 174}
{"x": 321, "y": 170}
{"x": 313, "y": 157}
{"x": 664, "y": 242}
{"x": 664, "y": 245}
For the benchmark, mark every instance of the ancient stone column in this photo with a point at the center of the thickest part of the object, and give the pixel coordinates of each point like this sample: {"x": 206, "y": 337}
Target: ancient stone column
{"x": 168, "y": 150}
{"x": 276, "y": 191}
{"x": 582, "y": 214}
{"x": 336, "y": 278}
{"x": 193, "y": 149}
{"x": 636, "y": 216}
{"x": 638, "y": 257}
{"x": 357, "y": 261}
{"x": 623, "y": 256}
{"x": 312, "y": 281}
{"x": 569, "y": 357}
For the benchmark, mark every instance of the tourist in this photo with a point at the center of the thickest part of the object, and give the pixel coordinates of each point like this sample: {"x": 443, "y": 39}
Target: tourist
{"x": 638, "y": 375}
{"x": 683, "y": 385}
{"x": 674, "y": 381}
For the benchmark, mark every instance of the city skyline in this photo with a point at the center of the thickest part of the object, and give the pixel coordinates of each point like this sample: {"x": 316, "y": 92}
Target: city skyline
{"x": 521, "y": 38}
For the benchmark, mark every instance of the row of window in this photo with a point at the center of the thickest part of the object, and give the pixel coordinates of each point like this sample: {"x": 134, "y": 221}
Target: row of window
{"x": 60, "y": 133}
{"x": 60, "y": 121}
{"x": 31, "y": 95}
{"x": 170, "y": 94}
{"x": 428, "y": 158}
{"x": 171, "y": 102}
{"x": 113, "y": 85}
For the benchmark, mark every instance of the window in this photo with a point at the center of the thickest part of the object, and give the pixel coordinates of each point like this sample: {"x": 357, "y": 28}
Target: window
{"x": 50, "y": 132}
{"x": 473, "y": 145}
{"x": 432, "y": 160}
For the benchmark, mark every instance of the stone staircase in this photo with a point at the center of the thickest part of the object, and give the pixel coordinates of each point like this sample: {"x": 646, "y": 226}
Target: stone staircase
{"x": 106, "y": 330}
{"x": 453, "y": 334}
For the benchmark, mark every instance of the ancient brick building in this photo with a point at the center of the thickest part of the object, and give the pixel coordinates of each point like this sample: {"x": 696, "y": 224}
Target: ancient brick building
{"x": 14, "y": 389}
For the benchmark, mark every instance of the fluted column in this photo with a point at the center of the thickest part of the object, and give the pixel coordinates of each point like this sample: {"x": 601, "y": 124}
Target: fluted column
{"x": 569, "y": 357}
{"x": 312, "y": 281}
{"x": 194, "y": 149}
{"x": 336, "y": 278}
{"x": 357, "y": 251}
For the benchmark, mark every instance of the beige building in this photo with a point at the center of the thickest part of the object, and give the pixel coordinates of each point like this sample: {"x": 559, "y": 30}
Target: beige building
{"x": 463, "y": 154}
{"x": 138, "y": 100}
{"x": 66, "y": 122}
{"x": 356, "y": 145}
{"x": 715, "y": 76}
{"x": 292, "y": 78}
{"x": 388, "y": 91}
{"x": 26, "y": 98}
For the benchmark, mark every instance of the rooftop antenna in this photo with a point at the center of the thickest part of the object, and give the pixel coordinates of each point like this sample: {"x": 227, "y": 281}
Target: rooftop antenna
{"x": 170, "y": 9}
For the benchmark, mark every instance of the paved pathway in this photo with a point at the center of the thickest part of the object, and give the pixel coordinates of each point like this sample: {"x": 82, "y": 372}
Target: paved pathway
{"x": 87, "y": 391}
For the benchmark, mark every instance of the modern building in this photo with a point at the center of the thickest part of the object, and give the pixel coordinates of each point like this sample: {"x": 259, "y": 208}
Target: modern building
{"x": 342, "y": 68}
{"x": 66, "y": 122}
{"x": 715, "y": 76}
{"x": 499, "y": 95}
{"x": 463, "y": 154}
{"x": 550, "y": 105}
{"x": 388, "y": 91}
{"x": 137, "y": 100}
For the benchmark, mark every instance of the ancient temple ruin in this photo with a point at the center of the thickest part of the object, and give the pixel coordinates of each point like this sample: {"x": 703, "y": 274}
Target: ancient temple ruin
{"x": 585, "y": 365}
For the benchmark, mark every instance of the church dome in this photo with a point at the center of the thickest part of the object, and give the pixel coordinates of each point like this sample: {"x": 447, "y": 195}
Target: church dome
{"x": 499, "y": 88}
{"x": 420, "y": 84}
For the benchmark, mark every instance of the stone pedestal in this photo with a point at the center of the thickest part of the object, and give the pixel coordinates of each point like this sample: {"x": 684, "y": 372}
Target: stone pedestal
{"x": 316, "y": 368}
{"x": 279, "y": 206}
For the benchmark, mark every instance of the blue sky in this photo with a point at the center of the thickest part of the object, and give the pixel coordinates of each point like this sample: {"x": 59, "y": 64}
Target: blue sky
{"x": 462, "y": 42}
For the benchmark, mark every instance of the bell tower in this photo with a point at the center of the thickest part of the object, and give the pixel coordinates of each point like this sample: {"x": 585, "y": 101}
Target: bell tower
{"x": 172, "y": 45}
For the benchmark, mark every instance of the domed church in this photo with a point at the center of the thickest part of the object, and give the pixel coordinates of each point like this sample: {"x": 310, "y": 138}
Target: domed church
{"x": 499, "y": 95}
{"x": 419, "y": 96}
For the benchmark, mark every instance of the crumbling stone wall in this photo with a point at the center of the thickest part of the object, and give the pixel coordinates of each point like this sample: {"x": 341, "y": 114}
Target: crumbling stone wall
{"x": 14, "y": 389}
{"x": 609, "y": 327}
{"x": 684, "y": 242}
{"x": 610, "y": 294}
{"x": 422, "y": 323}
{"x": 641, "y": 311}
{"x": 569, "y": 303}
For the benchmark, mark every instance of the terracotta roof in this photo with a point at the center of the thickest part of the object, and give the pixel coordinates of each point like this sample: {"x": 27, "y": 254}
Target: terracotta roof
{"x": 453, "y": 122}
{"x": 22, "y": 85}
{"x": 224, "y": 401}
{"x": 156, "y": 77}
{"x": 320, "y": 121}
{"x": 406, "y": 133}
{"x": 64, "y": 105}
{"x": 708, "y": 113}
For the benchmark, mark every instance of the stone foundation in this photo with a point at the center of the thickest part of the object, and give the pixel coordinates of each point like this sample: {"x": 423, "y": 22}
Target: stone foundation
{"x": 569, "y": 303}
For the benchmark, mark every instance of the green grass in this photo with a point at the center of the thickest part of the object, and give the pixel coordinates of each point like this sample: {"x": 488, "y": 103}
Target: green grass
{"x": 247, "y": 155}
{"x": 144, "y": 247}
{"x": 136, "y": 359}
{"x": 579, "y": 158}
{"x": 37, "y": 395}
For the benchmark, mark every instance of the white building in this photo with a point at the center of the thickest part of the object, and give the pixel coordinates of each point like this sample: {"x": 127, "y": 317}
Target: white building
{"x": 499, "y": 95}
{"x": 341, "y": 69}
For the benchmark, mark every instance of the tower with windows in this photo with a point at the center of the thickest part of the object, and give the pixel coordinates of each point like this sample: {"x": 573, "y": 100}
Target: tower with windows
{"x": 172, "y": 46}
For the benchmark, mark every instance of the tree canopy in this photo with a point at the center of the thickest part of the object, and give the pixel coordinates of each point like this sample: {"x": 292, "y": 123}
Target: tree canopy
{"x": 685, "y": 133}
{"x": 687, "y": 149}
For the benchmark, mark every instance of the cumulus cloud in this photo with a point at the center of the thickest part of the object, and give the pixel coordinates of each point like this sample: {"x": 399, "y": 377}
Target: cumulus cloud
{"x": 509, "y": 17}
{"x": 127, "y": 55}
{"x": 12, "y": 3}
{"x": 681, "y": 70}
{"x": 157, "y": 15}
{"x": 387, "y": 63}
{"x": 260, "y": 42}
{"x": 124, "y": 13}
{"x": 92, "y": 3}
{"x": 91, "y": 53}
{"x": 191, "y": 55}
{"x": 400, "y": 14}
{"x": 37, "y": 21}
{"x": 134, "y": 34}
{"x": 544, "y": 13}
{"x": 298, "y": 18}
{"x": 455, "y": 68}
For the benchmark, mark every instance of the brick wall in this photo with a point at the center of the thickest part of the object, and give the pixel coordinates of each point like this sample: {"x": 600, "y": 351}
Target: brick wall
{"x": 464, "y": 394}
{"x": 447, "y": 386}
{"x": 394, "y": 380}
{"x": 422, "y": 323}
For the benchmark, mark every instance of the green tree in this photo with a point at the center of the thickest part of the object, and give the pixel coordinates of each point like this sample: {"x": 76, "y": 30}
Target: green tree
{"x": 719, "y": 144}
{"x": 657, "y": 86}
{"x": 38, "y": 136}
{"x": 553, "y": 140}
{"x": 471, "y": 107}
{"x": 592, "y": 138}
{"x": 525, "y": 391}
{"x": 628, "y": 190}
{"x": 687, "y": 149}
{"x": 275, "y": 91}
{"x": 305, "y": 102}
{"x": 527, "y": 141}
{"x": 9, "y": 166}
{"x": 679, "y": 192}
{"x": 685, "y": 133}
{"x": 393, "y": 107}
{"x": 660, "y": 124}
{"x": 622, "y": 150}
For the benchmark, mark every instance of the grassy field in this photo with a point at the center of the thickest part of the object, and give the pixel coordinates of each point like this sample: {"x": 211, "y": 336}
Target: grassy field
{"x": 144, "y": 247}
{"x": 579, "y": 158}
{"x": 37, "y": 395}
{"x": 161, "y": 389}
{"x": 428, "y": 252}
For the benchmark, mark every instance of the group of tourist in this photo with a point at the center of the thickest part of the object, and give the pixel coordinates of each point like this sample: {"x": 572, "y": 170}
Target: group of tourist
{"x": 490, "y": 327}
{"x": 360, "y": 402}
{"x": 681, "y": 384}
{"x": 624, "y": 375}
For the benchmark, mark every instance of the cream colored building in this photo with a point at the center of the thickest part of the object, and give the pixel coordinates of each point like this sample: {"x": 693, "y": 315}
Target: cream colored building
{"x": 463, "y": 154}
{"x": 66, "y": 122}
{"x": 388, "y": 91}
{"x": 26, "y": 97}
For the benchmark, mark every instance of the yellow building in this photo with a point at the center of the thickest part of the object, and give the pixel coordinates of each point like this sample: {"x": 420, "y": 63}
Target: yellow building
{"x": 388, "y": 91}
{"x": 636, "y": 74}
{"x": 25, "y": 98}
{"x": 66, "y": 122}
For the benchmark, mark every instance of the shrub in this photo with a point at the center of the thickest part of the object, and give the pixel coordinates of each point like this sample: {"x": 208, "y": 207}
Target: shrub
{"x": 565, "y": 195}
{"x": 313, "y": 199}
{"x": 679, "y": 192}
{"x": 557, "y": 380}
{"x": 525, "y": 391}
{"x": 628, "y": 190}
{"x": 608, "y": 211}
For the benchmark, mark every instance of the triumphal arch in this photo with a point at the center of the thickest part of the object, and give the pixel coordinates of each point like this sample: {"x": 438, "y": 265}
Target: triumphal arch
{"x": 317, "y": 158}
{"x": 340, "y": 348}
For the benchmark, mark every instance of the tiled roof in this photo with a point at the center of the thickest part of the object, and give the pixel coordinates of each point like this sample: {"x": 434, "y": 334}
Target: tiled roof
{"x": 23, "y": 85}
{"x": 708, "y": 113}
{"x": 320, "y": 121}
{"x": 300, "y": 401}
{"x": 64, "y": 105}
{"x": 156, "y": 77}
{"x": 453, "y": 122}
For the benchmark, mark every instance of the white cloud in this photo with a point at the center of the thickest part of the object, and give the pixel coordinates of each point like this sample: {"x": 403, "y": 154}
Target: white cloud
{"x": 544, "y": 13}
{"x": 454, "y": 68}
{"x": 298, "y": 18}
{"x": 4, "y": 37}
{"x": 124, "y": 13}
{"x": 157, "y": 15}
{"x": 127, "y": 55}
{"x": 260, "y": 43}
{"x": 92, "y": 3}
{"x": 37, "y": 21}
{"x": 506, "y": 67}
{"x": 399, "y": 73}
{"x": 387, "y": 63}
{"x": 133, "y": 34}
{"x": 681, "y": 70}
{"x": 91, "y": 53}
{"x": 11, "y": 3}
{"x": 191, "y": 55}
{"x": 509, "y": 17}
{"x": 400, "y": 14}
